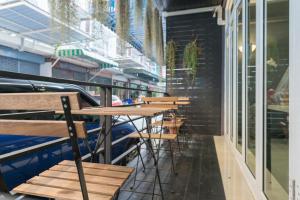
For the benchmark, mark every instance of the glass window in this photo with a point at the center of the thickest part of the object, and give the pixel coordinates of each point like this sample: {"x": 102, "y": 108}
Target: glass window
{"x": 251, "y": 84}
{"x": 239, "y": 76}
{"x": 231, "y": 79}
{"x": 276, "y": 164}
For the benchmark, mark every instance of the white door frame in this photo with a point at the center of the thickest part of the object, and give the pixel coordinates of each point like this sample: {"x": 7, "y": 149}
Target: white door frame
{"x": 294, "y": 101}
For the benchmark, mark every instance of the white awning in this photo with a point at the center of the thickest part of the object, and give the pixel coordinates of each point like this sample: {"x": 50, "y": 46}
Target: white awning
{"x": 26, "y": 19}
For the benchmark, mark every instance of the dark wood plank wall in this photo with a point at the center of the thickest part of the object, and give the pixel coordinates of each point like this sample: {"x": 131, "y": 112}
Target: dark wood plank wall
{"x": 204, "y": 115}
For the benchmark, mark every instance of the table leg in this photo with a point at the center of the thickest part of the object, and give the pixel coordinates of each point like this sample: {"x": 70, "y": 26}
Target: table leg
{"x": 153, "y": 155}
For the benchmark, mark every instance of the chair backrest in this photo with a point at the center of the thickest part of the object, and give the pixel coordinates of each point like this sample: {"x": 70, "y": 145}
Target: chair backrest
{"x": 40, "y": 128}
{"x": 38, "y": 101}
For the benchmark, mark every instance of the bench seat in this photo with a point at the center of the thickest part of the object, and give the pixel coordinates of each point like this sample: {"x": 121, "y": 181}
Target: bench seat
{"x": 153, "y": 136}
{"x": 61, "y": 181}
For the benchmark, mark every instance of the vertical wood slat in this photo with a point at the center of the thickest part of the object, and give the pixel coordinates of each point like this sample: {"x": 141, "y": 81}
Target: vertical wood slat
{"x": 40, "y": 128}
{"x": 37, "y": 101}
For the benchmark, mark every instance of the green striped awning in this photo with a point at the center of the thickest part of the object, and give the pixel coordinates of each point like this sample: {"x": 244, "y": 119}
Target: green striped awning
{"x": 81, "y": 53}
{"x": 70, "y": 52}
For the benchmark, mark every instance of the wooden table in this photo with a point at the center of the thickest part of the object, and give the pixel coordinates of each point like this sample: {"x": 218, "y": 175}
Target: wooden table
{"x": 117, "y": 111}
{"x": 128, "y": 111}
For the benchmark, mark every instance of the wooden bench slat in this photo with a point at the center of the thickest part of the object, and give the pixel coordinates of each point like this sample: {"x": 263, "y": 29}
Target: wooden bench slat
{"x": 88, "y": 178}
{"x": 169, "y": 103}
{"x": 154, "y": 136}
{"x": 169, "y": 124}
{"x": 40, "y": 128}
{"x": 183, "y": 98}
{"x": 90, "y": 171}
{"x": 37, "y": 101}
{"x": 183, "y": 103}
{"x": 112, "y": 111}
{"x": 99, "y": 166}
{"x": 55, "y": 193}
{"x": 73, "y": 185}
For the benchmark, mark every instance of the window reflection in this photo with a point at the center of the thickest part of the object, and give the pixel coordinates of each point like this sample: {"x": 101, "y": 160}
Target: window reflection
{"x": 277, "y": 99}
{"x": 239, "y": 77}
{"x": 251, "y": 84}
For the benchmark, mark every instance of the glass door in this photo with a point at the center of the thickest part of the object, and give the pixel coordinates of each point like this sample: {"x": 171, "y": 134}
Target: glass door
{"x": 250, "y": 83}
{"x": 239, "y": 78}
{"x": 276, "y": 69}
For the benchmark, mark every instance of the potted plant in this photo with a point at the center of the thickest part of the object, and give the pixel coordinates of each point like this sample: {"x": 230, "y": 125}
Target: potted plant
{"x": 122, "y": 25}
{"x": 64, "y": 11}
{"x": 171, "y": 60}
{"x": 190, "y": 61}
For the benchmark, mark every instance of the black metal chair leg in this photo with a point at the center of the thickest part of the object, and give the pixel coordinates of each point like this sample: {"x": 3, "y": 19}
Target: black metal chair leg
{"x": 154, "y": 184}
{"x": 178, "y": 144}
{"x": 136, "y": 171}
{"x": 172, "y": 157}
{"x": 140, "y": 155}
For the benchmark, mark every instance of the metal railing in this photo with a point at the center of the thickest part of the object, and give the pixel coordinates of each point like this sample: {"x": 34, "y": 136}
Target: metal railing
{"x": 105, "y": 100}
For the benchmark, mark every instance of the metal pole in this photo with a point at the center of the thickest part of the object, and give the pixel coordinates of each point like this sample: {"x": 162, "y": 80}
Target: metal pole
{"x": 108, "y": 126}
{"x": 102, "y": 119}
{"x": 75, "y": 148}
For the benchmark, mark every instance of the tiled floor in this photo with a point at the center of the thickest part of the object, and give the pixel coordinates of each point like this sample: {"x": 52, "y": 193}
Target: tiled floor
{"x": 206, "y": 170}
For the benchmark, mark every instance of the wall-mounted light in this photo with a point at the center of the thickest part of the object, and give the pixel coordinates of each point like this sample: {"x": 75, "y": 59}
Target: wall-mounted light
{"x": 253, "y": 47}
{"x": 241, "y": 49}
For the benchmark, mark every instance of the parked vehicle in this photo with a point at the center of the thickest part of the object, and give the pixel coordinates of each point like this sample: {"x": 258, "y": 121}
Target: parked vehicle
{"x": 20, "y": 169}
{"x": 116, "y": 101}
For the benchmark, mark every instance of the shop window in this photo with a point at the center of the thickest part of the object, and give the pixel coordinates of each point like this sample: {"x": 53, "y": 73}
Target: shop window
{"x": 276, "y": 68}
{"x": 239, "y": 74}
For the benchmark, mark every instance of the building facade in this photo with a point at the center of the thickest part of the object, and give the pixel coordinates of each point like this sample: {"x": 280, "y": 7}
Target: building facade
{"x": 261, "y": 99}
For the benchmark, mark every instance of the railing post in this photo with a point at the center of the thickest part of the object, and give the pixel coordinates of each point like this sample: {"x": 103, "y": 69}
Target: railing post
{"x": 108, "y": 131}
{"x": 149, "y": 93}
{"x": 102, "y": 101}
{"x": 3, "y": 187}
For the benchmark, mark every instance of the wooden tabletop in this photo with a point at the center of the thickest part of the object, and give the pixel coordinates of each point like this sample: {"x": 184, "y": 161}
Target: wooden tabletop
{"x": 155, "y": 105}
{"x": 114, "y": 111}
{"x": 159, "y": 99}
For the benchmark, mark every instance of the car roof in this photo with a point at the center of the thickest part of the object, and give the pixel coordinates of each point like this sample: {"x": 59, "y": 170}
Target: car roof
{"x": 8, "y": 85}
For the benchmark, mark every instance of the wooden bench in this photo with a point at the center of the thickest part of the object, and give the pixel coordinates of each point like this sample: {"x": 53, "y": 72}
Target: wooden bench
{"x": 153, "y": 136}
{"x": 168, "y": 124}
{"x": 67, "y": 180}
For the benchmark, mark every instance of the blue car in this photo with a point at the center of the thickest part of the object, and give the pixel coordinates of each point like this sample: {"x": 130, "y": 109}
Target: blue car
{"x": 17, "y": 170}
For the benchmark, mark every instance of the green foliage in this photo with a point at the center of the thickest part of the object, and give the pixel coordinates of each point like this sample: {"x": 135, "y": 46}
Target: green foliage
{"x": 190, "y": 58}
{"x": 66, "y": 12}
{"x": 138, "y": 12}
{"x": 154, "y": 29}
{"x": 122, "y": 26}
{"x": 147, "y": 29}
{"x": 160, "y": 43}
{"x": 170, "y": 56}
{"x": 100, "y": 10}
